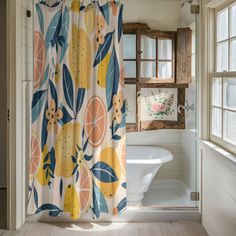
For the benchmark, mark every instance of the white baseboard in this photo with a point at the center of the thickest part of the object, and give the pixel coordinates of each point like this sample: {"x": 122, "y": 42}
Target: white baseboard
{"x": 3, "y": 180}
{"x": 143, "y": 214}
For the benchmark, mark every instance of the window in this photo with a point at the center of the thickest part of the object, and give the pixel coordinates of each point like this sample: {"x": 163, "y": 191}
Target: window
{"x": 157, "y": 58}
{"x": 223, "y": 80}
{"x": 153, "y": 92}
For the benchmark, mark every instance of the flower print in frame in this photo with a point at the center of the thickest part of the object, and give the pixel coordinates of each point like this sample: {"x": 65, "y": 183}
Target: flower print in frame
{"x": 159, "y": 104}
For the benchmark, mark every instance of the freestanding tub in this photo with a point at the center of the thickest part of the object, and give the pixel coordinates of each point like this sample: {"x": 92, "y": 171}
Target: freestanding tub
{"x": 143, "y": 162}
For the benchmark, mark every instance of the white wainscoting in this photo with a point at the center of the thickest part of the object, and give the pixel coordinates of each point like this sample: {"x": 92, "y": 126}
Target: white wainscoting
{"x": 218, "y": 191}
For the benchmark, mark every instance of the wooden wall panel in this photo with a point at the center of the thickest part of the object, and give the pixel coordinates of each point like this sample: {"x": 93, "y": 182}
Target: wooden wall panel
{"x": 183, "y": 56}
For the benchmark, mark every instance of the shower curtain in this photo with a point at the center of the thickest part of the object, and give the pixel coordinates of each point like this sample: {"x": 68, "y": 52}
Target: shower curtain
{"x": 77, "y": 163}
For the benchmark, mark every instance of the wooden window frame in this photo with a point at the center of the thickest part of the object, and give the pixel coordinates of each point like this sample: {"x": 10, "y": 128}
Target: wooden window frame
{"x": 221, "y": 141}
{"x": 142, "y": 29}
{"x": 158, "y": 35}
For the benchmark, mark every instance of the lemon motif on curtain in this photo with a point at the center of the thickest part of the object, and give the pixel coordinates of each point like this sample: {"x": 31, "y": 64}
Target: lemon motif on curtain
{"x": 77, "y": 161}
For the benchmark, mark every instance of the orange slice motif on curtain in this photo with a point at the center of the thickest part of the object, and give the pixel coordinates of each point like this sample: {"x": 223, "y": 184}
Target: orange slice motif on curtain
{"x": 35, "y": 156}
{"x": 39, "y": 58}
{"x": 95, "y": 121}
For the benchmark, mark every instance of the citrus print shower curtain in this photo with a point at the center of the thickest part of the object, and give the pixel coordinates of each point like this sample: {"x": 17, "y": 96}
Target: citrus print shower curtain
{"x": 77, "y": 162}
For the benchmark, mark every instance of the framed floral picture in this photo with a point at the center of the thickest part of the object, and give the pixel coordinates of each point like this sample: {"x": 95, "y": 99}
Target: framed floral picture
{"x": 159, "y": 104}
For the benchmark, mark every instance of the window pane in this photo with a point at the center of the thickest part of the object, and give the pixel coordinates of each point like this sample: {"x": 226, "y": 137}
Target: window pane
{"x": 217, "y": 92}
{"x": 130, "y": 69}
{"x": 230, "y": 126}
{"x": 216, "y": 121}
{"x": 164, "y": 70}
{"x": 233, "y": 21}
{"x": 233, "y": 55}
{"x": 164, "y": 49}
{"x": 222, "y": 25}
{"x": 148, "y": 47}
{"x": 230, "y": 93}
{"x": 129, "y": 46}
{"x": 148, "y": 69}
{"x": 193, "y": 42}
{"x": 193, "y": 65}
{"x": 130, "y": 102}
{"x": 222, "y": 56}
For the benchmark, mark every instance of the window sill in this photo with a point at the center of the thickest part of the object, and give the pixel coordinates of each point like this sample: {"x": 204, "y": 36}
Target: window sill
{"x": 223, "y": 152}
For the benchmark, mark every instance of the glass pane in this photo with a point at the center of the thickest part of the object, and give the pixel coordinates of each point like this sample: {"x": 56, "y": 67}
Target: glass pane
{"x": 222, "y": 56}
{"x": 217, "y": 92}
{"x": 222, "y": 25}
{"x": 230, "y": 93}
{"x": 216, "y": 121}
{"x": 130, "y": 69}
{"x": 230, "y": 126}
{"x": 193, "y": 65}
{"x": 233, "y": 20}
{"x": 129, "y": 46}
{"x": 148, "y": 69}
{"x": 193, "y": 42}
{"x": 164, "y": 70}
{"x": 164, "y": 49}
{"x": 148, "y": 47}
{"x": 130, "y": 102}
{"x": 233, "y": 54}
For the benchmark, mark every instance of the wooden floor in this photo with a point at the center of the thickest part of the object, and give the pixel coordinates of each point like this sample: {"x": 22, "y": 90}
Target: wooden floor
{"x": 110, "y": 229}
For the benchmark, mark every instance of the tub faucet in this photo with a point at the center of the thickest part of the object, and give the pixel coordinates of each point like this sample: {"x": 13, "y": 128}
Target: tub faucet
{"x": 186, "y": 107}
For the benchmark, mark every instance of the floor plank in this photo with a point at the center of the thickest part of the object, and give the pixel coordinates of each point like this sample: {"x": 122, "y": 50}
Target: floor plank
{"x": 111, "y": 229}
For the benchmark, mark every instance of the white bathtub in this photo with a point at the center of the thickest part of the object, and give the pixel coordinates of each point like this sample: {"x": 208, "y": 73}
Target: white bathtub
{"x": 143, "y": 162}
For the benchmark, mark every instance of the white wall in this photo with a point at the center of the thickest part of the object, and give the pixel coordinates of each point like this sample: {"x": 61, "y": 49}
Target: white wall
{"x": 218, "y": 192}
{"x": 158, "y": 14}
{"x": 3, "y": 94}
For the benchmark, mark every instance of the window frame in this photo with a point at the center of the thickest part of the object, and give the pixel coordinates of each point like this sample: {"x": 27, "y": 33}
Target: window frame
{"x": 140, "y": 29}
{"x": 154, "y": 34}
{"x": 221, "y": 141}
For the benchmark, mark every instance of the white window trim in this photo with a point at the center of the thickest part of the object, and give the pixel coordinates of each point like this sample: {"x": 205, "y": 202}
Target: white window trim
{"x": 220, "y": 141}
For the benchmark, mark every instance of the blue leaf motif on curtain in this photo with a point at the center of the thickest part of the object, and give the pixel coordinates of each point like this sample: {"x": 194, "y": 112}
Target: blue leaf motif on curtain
{"x": 37, "y": 104}
{"x": 64, "y": 32}
{"x": 120, "y": 25}
{"x": 80, "y": 99}
{"x": 53, "y": 93}
{"x": 68, "y": 87}
{"x": 40, "y": 16}
{"x": 44, "y": 132}
{"x": 53, "y": 210}
{"x": 112, "y": 79}
{"x": 36, "y": 197}
{"x": 104, "y": 172}
{"x": 103, "y": 49}
{"x": 122, "y": 204}
{"x": 105, "y": 12}
{"x": 99, "y": 202}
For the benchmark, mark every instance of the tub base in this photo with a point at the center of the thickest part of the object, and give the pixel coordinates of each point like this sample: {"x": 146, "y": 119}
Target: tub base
{"x": 134, "y": 200}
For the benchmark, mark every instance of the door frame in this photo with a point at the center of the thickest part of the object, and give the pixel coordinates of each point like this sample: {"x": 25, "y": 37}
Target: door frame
{"x": 15, "y": 155}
